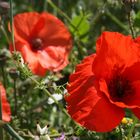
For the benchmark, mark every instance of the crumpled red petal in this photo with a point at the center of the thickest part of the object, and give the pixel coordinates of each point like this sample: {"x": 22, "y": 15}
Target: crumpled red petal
{"x": 6, "y": 111}
{"x": 86, "y": 104}
{"x": 56, "y": 58}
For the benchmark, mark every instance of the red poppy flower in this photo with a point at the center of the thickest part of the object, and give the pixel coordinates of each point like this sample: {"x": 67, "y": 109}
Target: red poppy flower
{"x": 106, "y": 83}
{"x": 6, "y": 112}
{"x": 43, "y": 41}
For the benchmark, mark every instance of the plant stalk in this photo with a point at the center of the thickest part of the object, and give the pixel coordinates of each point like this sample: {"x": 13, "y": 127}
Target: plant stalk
{"x": 15, "y": 98}
{"x": 12, "y": 132}
{"x": 11, "y": 25}
{"x": 131, "y": 24}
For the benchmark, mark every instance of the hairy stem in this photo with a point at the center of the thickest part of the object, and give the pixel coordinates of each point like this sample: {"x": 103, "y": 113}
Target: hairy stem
{"x": 12, "y": 132}
{"x": 116, "y": 20}
{"x": 15, "y": 98}
{"x": 11, "y": 25}
{"x": 5, "y": 33}
{"x": 131, "y": 24}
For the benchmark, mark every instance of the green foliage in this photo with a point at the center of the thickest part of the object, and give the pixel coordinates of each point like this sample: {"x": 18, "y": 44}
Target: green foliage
{"x": 81, "y": 26}
{"x": 137, "y": 20}
{"x": 86, "y": 19}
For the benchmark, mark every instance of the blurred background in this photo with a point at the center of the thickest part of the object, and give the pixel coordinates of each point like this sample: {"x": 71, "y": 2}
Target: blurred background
{"x": 86, "y": 20}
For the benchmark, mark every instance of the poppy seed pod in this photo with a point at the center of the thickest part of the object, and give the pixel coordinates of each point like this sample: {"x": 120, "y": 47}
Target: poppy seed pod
{"x": 14, "y": 73}
{"x": 3, "y": 59}
{"x": 129, "y": 4}
{"x": 129, "y": 1}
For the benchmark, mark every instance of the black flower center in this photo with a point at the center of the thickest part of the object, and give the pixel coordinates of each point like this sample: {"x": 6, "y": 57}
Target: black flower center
{"x": 37, "y": 43}
{"x": 119, "y": 88}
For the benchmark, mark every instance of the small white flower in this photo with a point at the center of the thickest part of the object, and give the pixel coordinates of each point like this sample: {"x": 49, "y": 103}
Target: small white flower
{"x": 58, "y": 97}
{"x": 42, "y": 131}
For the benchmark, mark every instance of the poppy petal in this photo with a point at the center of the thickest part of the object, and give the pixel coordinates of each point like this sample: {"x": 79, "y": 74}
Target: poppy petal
{"x": 93, "y": 111}
{"x": 114, "y": 50}
{"x": 56, "y": 58}
{"x": 6, "y": 111}
{"x": 134, "y": 70}
{"x": 53, "y": 32}
{"x": 86, "y": 104}
{"x": 136, "y": 111}
{"x": 23, "y": 25}
{"x": 137, "y": 40}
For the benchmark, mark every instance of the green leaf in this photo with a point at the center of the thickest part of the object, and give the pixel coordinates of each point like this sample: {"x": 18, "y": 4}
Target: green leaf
{"x": 81, "y": 25}
{"x": 137, "y": 20}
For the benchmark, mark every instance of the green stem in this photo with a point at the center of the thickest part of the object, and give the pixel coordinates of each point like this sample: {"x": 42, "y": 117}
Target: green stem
{"x": 59, "y": 10}
{"x": 3, "y": 76}
{"x": 62, "y": 14}
{"x": 118, "y": 22}
{"x": 15, "y": 97}
{"x": 12, "y": 132}
{"x": 1, "y": 129}
{"x": 45, "y": 5}
{"x": 131, "y": 25}
{"x": 51, "y": 136}
{"x": 58, "y": 135}
{"x": 120, "y": 134}
{"x": 135, "y": 120}
{"x": 11, "y": 25}
{"x": 5, "y": 33}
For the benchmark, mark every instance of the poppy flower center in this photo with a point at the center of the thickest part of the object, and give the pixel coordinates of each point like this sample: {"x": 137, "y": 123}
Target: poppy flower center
{"x": 119, "y": 87}
{"x": 37, "y": 43}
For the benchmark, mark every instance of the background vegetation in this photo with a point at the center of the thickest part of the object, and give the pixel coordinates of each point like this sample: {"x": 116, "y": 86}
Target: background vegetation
{"x": 86, "y": 20}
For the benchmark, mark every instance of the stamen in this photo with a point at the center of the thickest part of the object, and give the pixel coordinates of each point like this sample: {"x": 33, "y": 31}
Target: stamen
{"x": 119, "y": 88}
{"x": 37, "y": 43}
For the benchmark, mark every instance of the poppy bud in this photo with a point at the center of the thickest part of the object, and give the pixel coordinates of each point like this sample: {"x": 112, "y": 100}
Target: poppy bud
{"x": 129, "y": 4}
{"x": 4, "y": 7}
{"x": 3, "y": 59}
{"x": 13, "y": 73}
{"x": 129, "y": 1}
